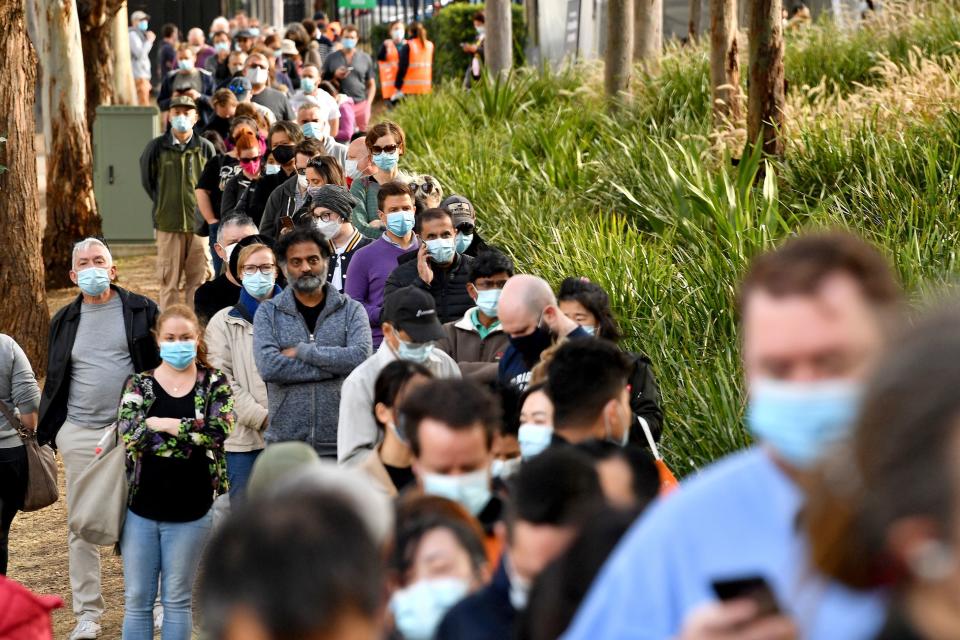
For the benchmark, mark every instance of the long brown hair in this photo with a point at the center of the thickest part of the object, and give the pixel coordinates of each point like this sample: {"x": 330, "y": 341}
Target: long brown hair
{"x": 186, "y": 313}
{"x": 900, "y": 462}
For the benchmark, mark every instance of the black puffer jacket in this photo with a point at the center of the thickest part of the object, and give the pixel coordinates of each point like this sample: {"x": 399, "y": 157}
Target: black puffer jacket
{"x": 449, "y": 286}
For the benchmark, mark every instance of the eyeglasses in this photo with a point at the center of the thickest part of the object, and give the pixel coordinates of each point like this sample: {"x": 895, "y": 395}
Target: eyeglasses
{"x": 265, "y": 269}
{"x": 426, "y": 188}
{"x": 466, "y": 228}
{"x": 390, "y": 148}
{"x": 327, "y": 216}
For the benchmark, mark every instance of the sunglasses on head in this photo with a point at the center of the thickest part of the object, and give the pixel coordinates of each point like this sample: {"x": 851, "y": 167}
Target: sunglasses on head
{"x": 390, "y": 148}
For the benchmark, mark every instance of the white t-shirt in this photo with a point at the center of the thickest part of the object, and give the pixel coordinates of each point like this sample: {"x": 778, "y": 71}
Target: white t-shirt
{"x": 337, "y": 280}
{"x": 327, "y": 104}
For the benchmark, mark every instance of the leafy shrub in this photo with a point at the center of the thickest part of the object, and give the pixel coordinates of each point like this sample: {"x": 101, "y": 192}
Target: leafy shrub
{"x": 453, "y": 25}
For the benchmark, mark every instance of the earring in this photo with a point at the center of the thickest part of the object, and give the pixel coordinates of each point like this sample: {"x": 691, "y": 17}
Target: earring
{"x": 931, "y": 561}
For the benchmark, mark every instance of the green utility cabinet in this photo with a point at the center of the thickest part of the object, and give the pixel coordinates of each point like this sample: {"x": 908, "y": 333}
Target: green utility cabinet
{"x": 120, "y": 134}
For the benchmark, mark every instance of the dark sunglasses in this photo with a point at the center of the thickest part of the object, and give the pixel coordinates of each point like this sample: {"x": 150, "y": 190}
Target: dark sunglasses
{"x": 426, "y": 188}
{"x": 390, "y": 148}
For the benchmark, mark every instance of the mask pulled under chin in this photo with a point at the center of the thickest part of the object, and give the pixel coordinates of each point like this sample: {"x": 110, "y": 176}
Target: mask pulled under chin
{"x": 801, "y": 421}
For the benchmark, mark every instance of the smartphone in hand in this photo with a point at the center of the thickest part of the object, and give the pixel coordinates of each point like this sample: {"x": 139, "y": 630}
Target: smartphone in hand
{"x": 753, "y": 588}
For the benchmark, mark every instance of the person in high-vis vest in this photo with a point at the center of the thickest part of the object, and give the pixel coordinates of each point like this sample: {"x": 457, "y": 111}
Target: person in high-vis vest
{"x": 415, "y": 72}
{"x": 388, "y": 59}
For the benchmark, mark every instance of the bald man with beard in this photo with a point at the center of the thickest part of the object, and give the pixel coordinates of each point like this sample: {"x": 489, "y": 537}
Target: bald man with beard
{"x": 530, "y": 316}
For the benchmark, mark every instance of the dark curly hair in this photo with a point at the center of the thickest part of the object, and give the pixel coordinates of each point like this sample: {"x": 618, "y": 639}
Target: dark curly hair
{"x": 595, "y": 300}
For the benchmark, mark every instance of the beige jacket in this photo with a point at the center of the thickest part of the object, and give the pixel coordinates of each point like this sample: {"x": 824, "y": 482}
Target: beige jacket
{"x": 373, "y": 467}
{"x": 229, "y": 339}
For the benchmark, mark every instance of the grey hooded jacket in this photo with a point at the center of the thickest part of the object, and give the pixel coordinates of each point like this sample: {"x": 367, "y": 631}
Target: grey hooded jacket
{"x": 303, "y": 392}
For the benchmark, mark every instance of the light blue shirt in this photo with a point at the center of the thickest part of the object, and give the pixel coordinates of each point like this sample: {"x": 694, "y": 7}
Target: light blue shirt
{"x": 737, "y": 519}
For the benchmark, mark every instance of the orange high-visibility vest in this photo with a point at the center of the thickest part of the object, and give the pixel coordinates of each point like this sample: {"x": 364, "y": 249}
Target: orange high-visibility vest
{"x": 388, "y": 70}
{"x": 419, "y": 77}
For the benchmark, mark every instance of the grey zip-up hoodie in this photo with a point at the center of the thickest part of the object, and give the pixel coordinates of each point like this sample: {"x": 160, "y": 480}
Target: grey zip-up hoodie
{"x": 303, "y": 392}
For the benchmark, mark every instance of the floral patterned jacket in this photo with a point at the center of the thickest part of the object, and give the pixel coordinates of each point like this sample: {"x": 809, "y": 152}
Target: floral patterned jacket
{"x": 205, "y": 431}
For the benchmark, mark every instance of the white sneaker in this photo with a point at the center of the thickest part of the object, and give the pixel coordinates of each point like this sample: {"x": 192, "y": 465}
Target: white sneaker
{"x": 86, "y": 630}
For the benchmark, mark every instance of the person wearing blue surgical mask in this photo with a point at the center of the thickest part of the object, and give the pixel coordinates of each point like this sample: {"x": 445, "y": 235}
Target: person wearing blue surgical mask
{"x": 450, "y": 425}
{"x": 173, "y": 421}
{"x": 815, "y": 314}
{"x": 229, "y": 337}
{"x": 476, "y": 340}
{"x": 437, "y": 268}
{"x": 439, "y": 559}
{"x": 385, "y": 143}
{"x": 310, "y": 93}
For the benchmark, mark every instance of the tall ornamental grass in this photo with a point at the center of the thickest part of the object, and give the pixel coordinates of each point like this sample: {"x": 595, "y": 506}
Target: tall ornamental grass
{"x": 645, "y": 203}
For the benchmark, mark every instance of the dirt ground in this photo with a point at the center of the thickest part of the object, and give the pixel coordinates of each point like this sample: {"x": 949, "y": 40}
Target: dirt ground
{"x": 38, "y": 540}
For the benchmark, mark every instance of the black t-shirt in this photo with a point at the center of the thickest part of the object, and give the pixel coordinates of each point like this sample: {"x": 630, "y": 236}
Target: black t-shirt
{"x": 173, "y": 489}
{"x": 212, "y": 296}
{"x": 213, "y": 179}
{"x": 310, "y": 314}
{"x": 401, "y": 477}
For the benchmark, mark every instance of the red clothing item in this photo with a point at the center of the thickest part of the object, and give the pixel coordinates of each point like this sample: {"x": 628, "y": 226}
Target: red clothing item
{"x": 24, "y": 615}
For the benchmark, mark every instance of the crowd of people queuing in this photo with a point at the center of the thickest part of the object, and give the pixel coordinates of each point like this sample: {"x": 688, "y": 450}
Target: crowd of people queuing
{"x": 368, "y": 424}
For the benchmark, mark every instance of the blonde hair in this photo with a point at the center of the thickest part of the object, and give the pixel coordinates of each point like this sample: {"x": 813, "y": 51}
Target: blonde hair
{"x": 248, "y": 251}
{"x": 186, "y": 313}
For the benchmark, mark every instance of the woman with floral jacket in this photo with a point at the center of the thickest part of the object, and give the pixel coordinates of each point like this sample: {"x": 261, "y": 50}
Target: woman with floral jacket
{"x": 173, "y": 421}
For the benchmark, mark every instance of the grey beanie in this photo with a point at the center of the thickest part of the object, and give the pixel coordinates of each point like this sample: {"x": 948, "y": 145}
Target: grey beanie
{"x": 333, "y": 197}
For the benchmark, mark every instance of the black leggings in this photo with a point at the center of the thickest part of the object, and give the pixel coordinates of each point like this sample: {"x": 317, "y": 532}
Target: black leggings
{"x": 13, "y": 484}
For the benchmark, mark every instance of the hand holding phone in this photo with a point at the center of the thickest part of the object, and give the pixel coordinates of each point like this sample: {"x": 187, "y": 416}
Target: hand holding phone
{"x": 753, "y": 588}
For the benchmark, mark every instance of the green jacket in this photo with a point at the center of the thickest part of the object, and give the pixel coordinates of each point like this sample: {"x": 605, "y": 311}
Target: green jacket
{"x": 169, "y": 173}
{"x": 365, "y": 190}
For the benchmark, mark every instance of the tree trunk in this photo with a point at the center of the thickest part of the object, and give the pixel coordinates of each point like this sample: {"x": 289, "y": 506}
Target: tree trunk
{"x": 648, "y": 32}
{"x": 71, "y": 207}
{"x": 498, "y": 47}
{"x": 98, "y": 54}
{"x": 23, "y": 314}
{"x": 693, "y": 27}
{"x": 766, "y": 81}
{"x": 618, "y": 66}
{"x": 725, "y": 61}
{"x": 124, "y": 90}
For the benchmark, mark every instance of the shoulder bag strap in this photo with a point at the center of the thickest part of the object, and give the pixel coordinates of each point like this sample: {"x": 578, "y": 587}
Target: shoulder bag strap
{"x": 15, "y": 421}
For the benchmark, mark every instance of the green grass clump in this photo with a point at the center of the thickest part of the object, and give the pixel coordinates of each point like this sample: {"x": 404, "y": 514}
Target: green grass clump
{"x": 641, "y": 201}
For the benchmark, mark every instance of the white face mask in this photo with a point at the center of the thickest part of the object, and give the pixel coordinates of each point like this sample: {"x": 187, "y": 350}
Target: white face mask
{"x": 533, "y": 438}
{"x": 228, "y": 251}
{"x": 352, "y": 171}
{"x": 257, "y": 76}
{"x": 327, "y": 229}
{"x": 302, "y": 182}
{"x": 503, "y": 469}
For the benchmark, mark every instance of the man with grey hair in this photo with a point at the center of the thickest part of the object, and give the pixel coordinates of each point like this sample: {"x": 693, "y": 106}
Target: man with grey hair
{"x": 529, "y": 314}
{"x": 224, "y": 290}
{"x": 96, "y": 341}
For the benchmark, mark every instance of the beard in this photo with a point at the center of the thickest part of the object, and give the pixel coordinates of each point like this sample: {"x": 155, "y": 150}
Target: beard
{"x": 310, "y": 282}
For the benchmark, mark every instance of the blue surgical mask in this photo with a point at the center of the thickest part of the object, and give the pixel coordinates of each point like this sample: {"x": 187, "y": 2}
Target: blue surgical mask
{"x": 481, "y": 31}
{"x": 310, "y": 130}
{"x": 802, "y": 420}
{"x": 441, "y": 250}
{"x": 93, "y": 280}
{"x": 463, "y": 241}
{"x": 185, "y": 64}
{"x": 143, "y": 25}
{"x": 589, "y": 329}
{"x": 418, "y": 609}
{"x": 307, "y": 85}
{"x": 414, "y": 352}
{"x": 254, "y": 31}
{"x": 533, "y": 439}
{"x": 397, "y": 35}
{"x": 181, "y": 123}
{"x": 222, "y": 46}
{"x": 487, "y": 302}
{"x": 258, "y": 285}
{"x": 386, "y": 161}
{"x": 471, "y": 490}
{"x": 503, "y": 469}
{"x": 178, "y": 354}
{"x": 271, "y": 169}
{"x": 348, "y": 43}
{"x": 400, "y": 223}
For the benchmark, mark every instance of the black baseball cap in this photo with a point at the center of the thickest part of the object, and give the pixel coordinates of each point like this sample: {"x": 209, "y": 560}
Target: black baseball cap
{"x": 413, "y": 310}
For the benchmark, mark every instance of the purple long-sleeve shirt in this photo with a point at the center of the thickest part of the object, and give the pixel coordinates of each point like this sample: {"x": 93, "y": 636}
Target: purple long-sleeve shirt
{"x": 367, "y": 275}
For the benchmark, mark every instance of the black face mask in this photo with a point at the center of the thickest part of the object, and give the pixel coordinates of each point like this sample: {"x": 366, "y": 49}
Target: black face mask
{"x": 283, "y": 153}
{"x": 532, "y": 345}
